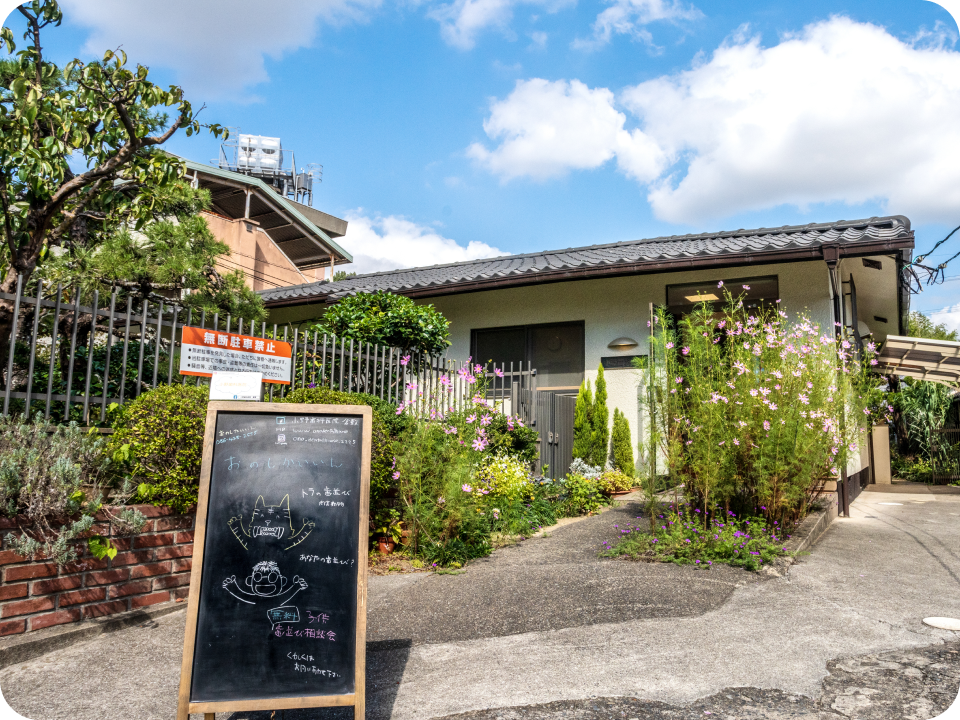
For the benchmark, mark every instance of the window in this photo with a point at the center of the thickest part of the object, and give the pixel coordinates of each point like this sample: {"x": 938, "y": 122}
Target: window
{"x": 681, "y": 299}
{"x": 555, "y": 351}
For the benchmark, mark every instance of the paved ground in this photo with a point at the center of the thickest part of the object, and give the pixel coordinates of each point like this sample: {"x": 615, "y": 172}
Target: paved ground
{"x": 546, "y": 631}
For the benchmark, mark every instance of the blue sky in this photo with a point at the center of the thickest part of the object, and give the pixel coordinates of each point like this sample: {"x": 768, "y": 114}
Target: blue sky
{"x": 450, "y": 130}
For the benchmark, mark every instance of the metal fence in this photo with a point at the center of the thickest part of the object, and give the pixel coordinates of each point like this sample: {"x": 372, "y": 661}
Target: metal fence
{"x": 72, "y": 355}
{"x": 945, "y": 455}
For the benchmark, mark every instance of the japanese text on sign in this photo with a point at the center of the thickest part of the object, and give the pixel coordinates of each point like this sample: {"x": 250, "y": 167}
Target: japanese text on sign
{"x": 204, "y": 352}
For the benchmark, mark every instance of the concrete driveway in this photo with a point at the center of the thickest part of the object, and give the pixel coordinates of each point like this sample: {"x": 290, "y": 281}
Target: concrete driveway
{"x": 547, "y": 630}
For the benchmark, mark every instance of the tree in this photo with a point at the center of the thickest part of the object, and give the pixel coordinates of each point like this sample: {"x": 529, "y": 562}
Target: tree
{"x": 919, "y": 325}
{"x": 387, "y": 319}
{"x": 622, "y": 445}
{"x": 173, "y": 257}
{"x": 583, "y": 423}
{"x": 103, "y": 116}
{"x": 601, "y": 417}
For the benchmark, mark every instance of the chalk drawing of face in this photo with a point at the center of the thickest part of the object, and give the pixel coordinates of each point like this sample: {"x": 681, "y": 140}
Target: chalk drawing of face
{"x": 266, "y": 580}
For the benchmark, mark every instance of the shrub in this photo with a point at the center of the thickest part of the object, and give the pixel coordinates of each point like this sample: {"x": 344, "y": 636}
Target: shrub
{"x": 611, "y": 481}
{"x": 622, "y": 445}
{"x": 752, "y": 412}
{"x": 599, "y": 443}
{"x": 581, "y": 496}
{"x": 158, "y": 440}
{"x": 51, "y": 476}
{"x": 388, "y": 319}
{"x": 500, "y": 480}
{"x": 583, "y": 423}
{"x": 435, "y": 469}
{"x": 385, "y": 419}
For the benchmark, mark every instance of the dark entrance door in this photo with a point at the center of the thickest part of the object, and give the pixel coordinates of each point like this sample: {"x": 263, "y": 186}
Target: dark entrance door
{"x": 555, "y": 412}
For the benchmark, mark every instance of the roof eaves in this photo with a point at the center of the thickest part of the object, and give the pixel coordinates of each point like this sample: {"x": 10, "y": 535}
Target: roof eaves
{"x": 273, "y": 196}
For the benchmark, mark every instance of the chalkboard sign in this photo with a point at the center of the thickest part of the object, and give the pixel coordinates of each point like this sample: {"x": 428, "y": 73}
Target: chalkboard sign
{"x": 277, "y": 607}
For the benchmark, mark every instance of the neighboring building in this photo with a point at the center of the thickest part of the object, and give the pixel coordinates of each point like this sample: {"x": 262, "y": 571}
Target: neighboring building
{"x": 276, "y": 241}
{"x": 566, "y": 311}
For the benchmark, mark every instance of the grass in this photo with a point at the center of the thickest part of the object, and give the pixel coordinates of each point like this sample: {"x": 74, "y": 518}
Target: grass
{"x": 681, "y": 536}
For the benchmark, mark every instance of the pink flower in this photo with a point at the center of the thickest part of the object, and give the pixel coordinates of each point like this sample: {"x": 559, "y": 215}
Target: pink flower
{"x": 466, "y": 488}
{"x": 766, "y": 424}
{"x": 396, "y": 475}
{"x": 679, "y": 380}
{"x": 486, "y": 420}
{"x": 746, "y": 287}
{"x": 686, "y": 351}
{"x": 472, "y": 419}
{"x": 669, "y": 345}
{"x": 405, "y": 359}
{"x": 480, "y": 443}
{"x": 498, "y": 372}
{"x": 720, "y": 284}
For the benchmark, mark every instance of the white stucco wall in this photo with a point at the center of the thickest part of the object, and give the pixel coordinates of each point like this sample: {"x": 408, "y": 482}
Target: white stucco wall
{"x": 615, "y": 307}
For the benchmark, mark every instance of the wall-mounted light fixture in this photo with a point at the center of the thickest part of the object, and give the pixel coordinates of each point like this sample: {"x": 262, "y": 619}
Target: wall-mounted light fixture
{"x": 623, "y": 343}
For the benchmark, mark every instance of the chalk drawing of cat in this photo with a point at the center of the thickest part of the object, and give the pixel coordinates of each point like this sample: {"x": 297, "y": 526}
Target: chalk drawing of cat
{"x": 270, "y": 522}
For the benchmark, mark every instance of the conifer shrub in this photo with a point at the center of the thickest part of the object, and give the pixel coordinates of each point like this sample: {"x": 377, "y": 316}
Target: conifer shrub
{"x": 622, "y": 446}
{"x": 600, "y": 440}
{"x": 583, "y": 423}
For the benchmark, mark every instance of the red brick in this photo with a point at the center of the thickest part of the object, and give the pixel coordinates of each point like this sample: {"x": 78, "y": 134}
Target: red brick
{"x": 12, "y": 592}
{"x": 170, "y": 581}
{"x": 179, "y": 522}
{"x": 155, "y": 540}
{"x": 181, "y": 593}
{"x": 9, "y": 556}
{"x": 133, "y": 588}
{"x": 107, "y": 608}
{"x": 28, "y": 572}
{"x": 151, "y": 599}
{"x": 28, "y": 607}
{"x": 12, "y": 627}
{"x": 83, "y": 565}
{"x": 45, "y": 587}
{"x": 55, "y": 618}
{"x": 168, "y": 553}
{"x": 8, "y": 523}
{"x": 107, "y": 577}
{"x": 153, "y": 511}
{"x": 142, "y": 571}
{"x": 182, "y": 564}
{"x": 185, "y": 536}
{"x": 87, "y": 595}
{"x": 124, "y": 543}
{"x": 135, "y": 557}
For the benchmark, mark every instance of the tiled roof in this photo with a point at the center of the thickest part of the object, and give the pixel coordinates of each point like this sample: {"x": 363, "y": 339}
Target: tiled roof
{"x": 623, "y": 258}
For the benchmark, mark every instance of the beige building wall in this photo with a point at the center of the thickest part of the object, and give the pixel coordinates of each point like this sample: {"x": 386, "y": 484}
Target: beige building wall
{"x": 252, "y": 251}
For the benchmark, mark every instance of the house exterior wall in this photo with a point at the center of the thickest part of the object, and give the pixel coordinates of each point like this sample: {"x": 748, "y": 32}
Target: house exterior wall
{"x": 615, "y": 307}
{"x": 252, "y": 251}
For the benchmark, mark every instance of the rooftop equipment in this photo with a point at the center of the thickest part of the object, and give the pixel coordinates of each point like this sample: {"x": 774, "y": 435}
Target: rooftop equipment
{"x": 264, "y": 158}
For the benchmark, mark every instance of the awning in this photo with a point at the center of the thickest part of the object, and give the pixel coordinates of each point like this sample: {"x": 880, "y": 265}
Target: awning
{"x": 934, "y": 360}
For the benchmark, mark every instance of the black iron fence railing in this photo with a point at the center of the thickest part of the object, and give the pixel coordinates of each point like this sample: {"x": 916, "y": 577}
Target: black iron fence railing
{"x": 72, "y": 354}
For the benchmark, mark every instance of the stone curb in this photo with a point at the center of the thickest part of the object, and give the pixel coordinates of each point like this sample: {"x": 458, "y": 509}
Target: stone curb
{"x": 21, "y": 648}
{"x": 814, "y": 525}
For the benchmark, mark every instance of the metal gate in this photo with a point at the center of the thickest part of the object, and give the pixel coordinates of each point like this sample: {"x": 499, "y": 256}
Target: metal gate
{"x": 945, "y": 455}
{"x": 555, "y": 423}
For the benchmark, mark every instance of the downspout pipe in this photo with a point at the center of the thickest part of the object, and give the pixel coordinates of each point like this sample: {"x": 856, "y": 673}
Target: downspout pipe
{"x": 831, "y": 255}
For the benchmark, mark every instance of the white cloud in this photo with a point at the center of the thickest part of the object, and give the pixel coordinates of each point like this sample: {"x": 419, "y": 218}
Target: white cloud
{"x": 461, "y": 21}
{"x": 216, "y": 49}
{"x": 949, "y": 316}
{"x": 547, "y": 128}
{"x": 630, "y": 17}
{"x": 389, "y": 243}
{"x": 841, "y": 112}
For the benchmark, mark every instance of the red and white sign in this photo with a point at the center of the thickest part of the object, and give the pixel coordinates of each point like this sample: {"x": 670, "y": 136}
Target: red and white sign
{"x": 204, "y": 352}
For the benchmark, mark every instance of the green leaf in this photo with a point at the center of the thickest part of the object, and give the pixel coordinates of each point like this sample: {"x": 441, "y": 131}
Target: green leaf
{"x": 101, "y": 547}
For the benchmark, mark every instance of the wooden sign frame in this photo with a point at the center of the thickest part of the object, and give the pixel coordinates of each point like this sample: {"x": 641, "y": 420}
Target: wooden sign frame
{"x": 358, "y": 698}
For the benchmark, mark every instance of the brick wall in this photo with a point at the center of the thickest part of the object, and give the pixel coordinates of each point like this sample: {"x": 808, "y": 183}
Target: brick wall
{"x": 150, "y": 568}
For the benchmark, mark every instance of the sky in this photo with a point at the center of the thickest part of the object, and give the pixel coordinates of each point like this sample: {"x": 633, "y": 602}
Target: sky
{"x": 458, "y": 129}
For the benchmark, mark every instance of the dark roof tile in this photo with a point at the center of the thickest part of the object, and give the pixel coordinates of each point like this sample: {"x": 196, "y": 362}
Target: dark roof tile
{"x": 602, "y": 258}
